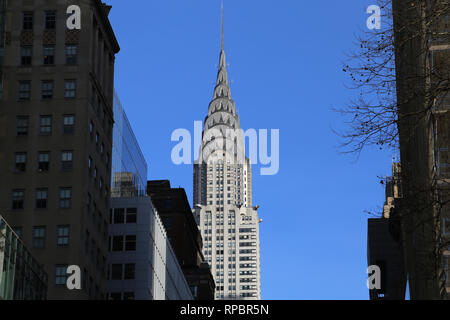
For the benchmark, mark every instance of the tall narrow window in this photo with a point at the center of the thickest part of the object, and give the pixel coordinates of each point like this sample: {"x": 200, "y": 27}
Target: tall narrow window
{"x": 20, "y": 161}
{"x": 119, "y": 216}
{"x": 67, "y": 160}
{"x": 62, "y": 236}
{"x": 71, "y": 54}
{"x": 43, "y": 161}
{"x": 22, "y": 125}
{"x": 60, "y": 275}
{"x": 41, "y": 198}
{"x": 18, "y": 197}
{"x": 90, "y": 165}
{"x": 50, "y": 20}
{"x": 26, "y": 54}
{"x": 47, "y": 89}
{"x": 49, "y": 55}
{"x": 130, "y": 243}
{"x": 70, "y": 89}
{"x": 130, "y": 271}
{"x": 38, "y": 237}
{"x": 116, "y": 271}
{"x": 68, "y": 124}
{"x": 131, "y": 215}
{"x": 24, "y": 90}
{"x": 27, "y": 21}
{"x": 45, "y": 125}
{"x": 117, "y": 243}
{"x": 65, "y": 198}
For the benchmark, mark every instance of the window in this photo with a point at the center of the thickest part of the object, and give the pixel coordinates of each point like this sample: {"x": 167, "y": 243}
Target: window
{"x": 65, "y": 198}
{"x": 70, "y": 88}
{"x": 131, "y": 215}
{"x": 24, "y": 90}
{"x": 26, "y": 54}
{"x": 50, "y": 20}
{"x": 68, "y": 124}
{"x": 43, "y": 161}
{"x": 116, "y": 271}
{"x": 20, "y": 162}
{"x": 60, "y": 275}
{"x": 67, "y": 160}
{"x": 49, "y": 55}
{"x": 119, "y": 216}
{"x": 41, "y": 198}
{"x": 62, "y": 236}
{"x": 27, "y": 22}
{"x": 117, "y": 244}
{"x": 38, "y": 237}
{"x": 130, "y": 243}
{"x": 45, "y": 123}
{"x": 22, "y": 125}
{"x": 18, "y": 197}
{"x": 130, "y": 270}
{"x": 71, "y": 54}
{"x": 46, "y": 89}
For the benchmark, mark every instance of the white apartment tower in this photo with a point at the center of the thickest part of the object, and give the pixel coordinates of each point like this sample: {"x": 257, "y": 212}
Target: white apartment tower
{"x": 223, "y": 198}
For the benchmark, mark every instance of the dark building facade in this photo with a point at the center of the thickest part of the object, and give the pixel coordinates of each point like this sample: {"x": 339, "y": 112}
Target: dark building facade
{"x": 384, "y": 243}
{"x": 176, "y": 214}
{"x": 422, "y": 56}
{"x": 21, "y": 276}
{"x": 56, "y": 120}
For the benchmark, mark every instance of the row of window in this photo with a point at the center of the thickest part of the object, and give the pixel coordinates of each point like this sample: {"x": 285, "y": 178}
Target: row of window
{"x": 45, "y": 124}
{"x": 122, "y": 243}
{"x": 41, "y": 198}
{"x": 125, "y": 271}
{"x": 47, "y": 89}
{"x": 48, "y": 55}
{"x": 39, "y": 237}
{"x": 43, "y": 161}
{"x": 49, "y": 20}
{"x": 122, "y": 215}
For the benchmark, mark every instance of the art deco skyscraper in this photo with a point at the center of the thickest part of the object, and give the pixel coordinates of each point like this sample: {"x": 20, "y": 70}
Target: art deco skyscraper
{"x": 223, "y": 198}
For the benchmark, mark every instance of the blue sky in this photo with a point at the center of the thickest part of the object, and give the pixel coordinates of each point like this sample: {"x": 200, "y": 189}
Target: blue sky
{"x": 285, "y": 62}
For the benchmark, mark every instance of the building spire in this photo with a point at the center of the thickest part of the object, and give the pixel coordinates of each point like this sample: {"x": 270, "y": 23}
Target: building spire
{"x": 221, "y": 43}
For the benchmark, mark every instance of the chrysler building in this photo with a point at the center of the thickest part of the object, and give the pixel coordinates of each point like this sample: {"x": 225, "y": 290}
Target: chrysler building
{"x": 223, "y": 197}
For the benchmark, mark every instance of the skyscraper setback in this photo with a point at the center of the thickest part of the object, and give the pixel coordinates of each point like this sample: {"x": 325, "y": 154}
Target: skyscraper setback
{"x": 223, "y": 197}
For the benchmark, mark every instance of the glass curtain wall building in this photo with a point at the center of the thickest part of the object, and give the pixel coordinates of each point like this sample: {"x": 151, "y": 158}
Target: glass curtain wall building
{"x": 129, "y": 168}
{"x": 21, "y": 276}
